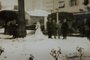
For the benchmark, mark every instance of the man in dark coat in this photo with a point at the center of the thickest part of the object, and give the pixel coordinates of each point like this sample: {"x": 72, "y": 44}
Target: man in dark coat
{"x": 86, "y": 28}
{"x": 54, "y": 28}
{"x": 49, "y": 28}
{"x": 13, "y": 28}
{"x": 88, "y": 31}
{"x": 59, "y": 29}
{"x": 64, "y": 29}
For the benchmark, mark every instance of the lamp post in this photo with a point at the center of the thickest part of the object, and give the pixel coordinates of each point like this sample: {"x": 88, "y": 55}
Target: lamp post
{"x": 57, "y": 15}
{"x": 53, "y": 4}
{"x": 61, "y": 5}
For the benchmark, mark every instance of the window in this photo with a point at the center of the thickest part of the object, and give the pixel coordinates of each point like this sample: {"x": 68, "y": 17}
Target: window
{"x": 61, "y": 4}
{"x": 73, "y": 2}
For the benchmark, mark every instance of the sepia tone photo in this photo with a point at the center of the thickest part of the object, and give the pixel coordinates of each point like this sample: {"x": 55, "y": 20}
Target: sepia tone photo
{"x": 44, "y": 29}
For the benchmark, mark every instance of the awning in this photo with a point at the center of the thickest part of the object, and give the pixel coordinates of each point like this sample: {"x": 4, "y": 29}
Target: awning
{"x": 38, "y": 13}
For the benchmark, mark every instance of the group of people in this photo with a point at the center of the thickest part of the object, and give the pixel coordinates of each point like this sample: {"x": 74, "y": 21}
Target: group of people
{"x": 57, "y": 29}
{"x": 84, "y": 29}
{"x": 53, "y": 29}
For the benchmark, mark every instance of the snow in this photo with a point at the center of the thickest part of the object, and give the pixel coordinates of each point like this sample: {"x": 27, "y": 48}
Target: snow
{"x": 21, "y": 48}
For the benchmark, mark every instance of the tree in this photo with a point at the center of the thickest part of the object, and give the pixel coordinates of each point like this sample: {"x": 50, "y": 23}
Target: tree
{"x": 21, "y": 31}
{"x": 86, "y": 2}
{"x": 7, "y": 16}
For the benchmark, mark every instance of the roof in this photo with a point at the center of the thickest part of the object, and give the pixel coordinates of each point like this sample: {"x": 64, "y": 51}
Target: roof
{"x": 38, "y": 13}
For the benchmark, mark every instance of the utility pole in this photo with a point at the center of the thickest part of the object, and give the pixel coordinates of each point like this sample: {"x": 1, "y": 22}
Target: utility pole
{"x": 0, "y": 5}
{"x": 53, "y": 4}
{"x": 57, "y": 15}
{"x": 21, "y": 32}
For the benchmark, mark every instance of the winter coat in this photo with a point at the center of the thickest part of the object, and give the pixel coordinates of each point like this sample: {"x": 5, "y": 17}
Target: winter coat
{"x": 64, "y": 27}
{"x": 49, "y": 26}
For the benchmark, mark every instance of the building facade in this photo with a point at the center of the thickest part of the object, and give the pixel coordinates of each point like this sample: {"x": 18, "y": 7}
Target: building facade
{"x": 66, "y": 5}
{"x": 75, "y": 11}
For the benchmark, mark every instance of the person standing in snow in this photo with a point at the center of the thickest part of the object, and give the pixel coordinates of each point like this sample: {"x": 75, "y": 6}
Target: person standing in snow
{"x": 64, "y": 29}
{"x": 54, "y": 28}
{"x": 13, "y": 28}
{"x": 49, "y": 28}
{"x": 86, "y": 28}
{"x": 59, "y": 29}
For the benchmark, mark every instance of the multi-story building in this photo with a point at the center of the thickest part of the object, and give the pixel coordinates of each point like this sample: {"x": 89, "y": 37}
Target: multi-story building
{"x": 70, "y": 8}
{"x": 66, "y": 5}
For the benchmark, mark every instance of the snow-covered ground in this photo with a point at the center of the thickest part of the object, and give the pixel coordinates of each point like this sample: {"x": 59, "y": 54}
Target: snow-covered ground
{"x": 21, "y": 48}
